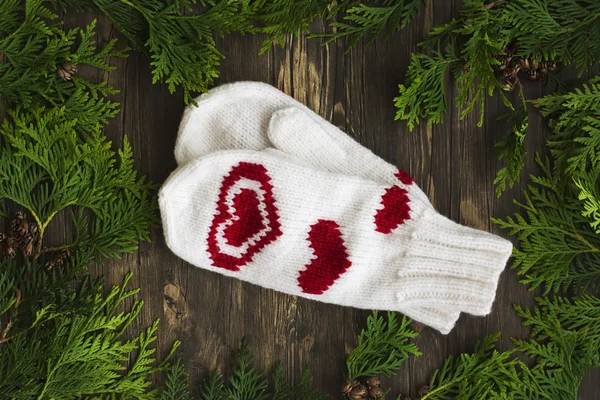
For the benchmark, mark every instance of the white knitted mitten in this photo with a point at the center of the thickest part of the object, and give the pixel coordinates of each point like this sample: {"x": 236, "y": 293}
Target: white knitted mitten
{"x": 333, "y": 238}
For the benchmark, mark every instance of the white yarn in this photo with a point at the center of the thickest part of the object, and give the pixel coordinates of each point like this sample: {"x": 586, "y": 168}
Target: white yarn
{"x": 236, "y": 116}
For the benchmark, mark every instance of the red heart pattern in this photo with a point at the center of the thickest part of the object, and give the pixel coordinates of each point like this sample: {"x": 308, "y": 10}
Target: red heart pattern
{"x": 395, "y": 210}
{"x": 331, "y": 258}
{"x": 249, "y": 220}
{"x": 246, "y": 220}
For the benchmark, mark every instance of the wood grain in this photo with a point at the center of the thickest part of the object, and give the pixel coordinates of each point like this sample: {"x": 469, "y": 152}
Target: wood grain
{"x": 453, "y": 162}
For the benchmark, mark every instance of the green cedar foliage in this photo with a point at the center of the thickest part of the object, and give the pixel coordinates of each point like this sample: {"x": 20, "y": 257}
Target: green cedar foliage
{"x": 179, "y": 41}
{"x": 382, "y": 347}
{"x": 564, "y": 343}
{"x": 33, "y": 46}
{"x": 76, "y": 347}
{"x": 351, "y": 19}
{"x": 280, "y": 17}
{"x": 246, "y": 382}
{"x": 558, "y": 232}
{"x": 470, "y": 47}
{"x": 373, "y": 18}
{"x": 49, "y": 165}
{"x": 473, "y": 376}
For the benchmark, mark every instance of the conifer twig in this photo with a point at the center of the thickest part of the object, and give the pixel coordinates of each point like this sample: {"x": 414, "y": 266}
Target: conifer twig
{"x": 9, "y": 321}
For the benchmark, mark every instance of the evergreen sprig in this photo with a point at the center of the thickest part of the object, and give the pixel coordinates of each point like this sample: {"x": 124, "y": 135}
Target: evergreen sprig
{"x": 469, "y": 47}
{"x": 511, "y": 148}
{"x": 559, "y": 243}
{"x": 179, "y": 40}
{"x": 33, "y": 46}
{"x": 370, "y": 19}
{"x": 49, "y": 165}
{"x": 564, "y": 343}
{"x": 565, "y": 32}
{"x": 246, "y": 382}
{"x": 479, "y": 375}
{"x": 68, "y": 354}
{"x": 382, "y": 347}
{"x": 556, "y": 30}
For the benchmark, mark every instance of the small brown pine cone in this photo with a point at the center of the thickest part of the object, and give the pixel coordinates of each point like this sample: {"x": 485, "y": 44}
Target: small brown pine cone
{"x": 510, "y": 85}
{"x": 9, "y": 251}
{"x": 534, "y": 64}
{"x": 359, "y": 392}
{"x": 355, "y": 383}
{"x": 50, "y": 264}
{"x": 70, "y": 67}
{"x": 10, "y": 241}
{"x": 347, "y": 387}
{"x": 14, "y": 227}
{"x": 33, "y": 228}
{"x": 375, "y": 392}
{"x": 524, "y": 63}
{"x": 66, "y": 71}
{"x": 373, "y": 382}
{"x": 28, "y": 249}
{"x": 23, "y": 227}
{"x": 65, "y": 254}
{"x": 511, "y": 72}
{"x": 532, "y": 75}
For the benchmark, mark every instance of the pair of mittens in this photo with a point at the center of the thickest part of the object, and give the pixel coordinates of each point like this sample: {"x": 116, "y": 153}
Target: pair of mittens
{"x": 279, "y": 197}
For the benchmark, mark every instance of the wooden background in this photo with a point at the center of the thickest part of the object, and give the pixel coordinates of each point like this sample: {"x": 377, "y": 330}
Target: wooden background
{"x": 454, "y": 163}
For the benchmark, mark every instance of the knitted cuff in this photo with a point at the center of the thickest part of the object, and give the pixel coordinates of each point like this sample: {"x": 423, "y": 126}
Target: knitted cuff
{"x": 449, "y": 264}
{"x": 440, "y": 319}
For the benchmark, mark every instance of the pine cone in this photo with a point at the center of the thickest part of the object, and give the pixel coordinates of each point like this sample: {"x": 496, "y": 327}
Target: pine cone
{"x": 66, "y": 71}
{"x": 373, "y": 382}
{"x": 9, "y": 251}
{"x": 358, "y": 393}
{"x": 510, "y": 72}
{"x": 59, "y": 259}
{"x": 532, "y": 75}
{"x": 510, "y": 85}
{"x": 27, "y": 248}
{"x": 8, "y": 245}
{"x": 54, "y": 262}
{"x": 347, "y": 387}
{"x": 524, "y": 63}
{"x": 65, "y": 254}
{"x": 375, "y": 392}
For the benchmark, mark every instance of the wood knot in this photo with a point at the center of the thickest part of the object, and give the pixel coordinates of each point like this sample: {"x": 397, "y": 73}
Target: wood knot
{"x": 175, "y": 307}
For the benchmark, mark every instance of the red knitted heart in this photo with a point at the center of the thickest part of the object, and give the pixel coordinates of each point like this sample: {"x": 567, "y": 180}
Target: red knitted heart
{"x": 395, "y": 210}
{"x": 331, "y": 258}
{"x": 246, "y": 219}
